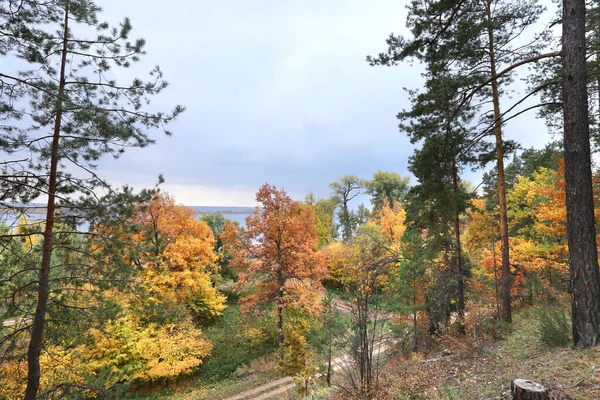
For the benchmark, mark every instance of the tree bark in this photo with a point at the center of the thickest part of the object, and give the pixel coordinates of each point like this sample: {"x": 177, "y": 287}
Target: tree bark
{"x": 496, "y": 279}
{"x": 459, "y": 262}
{"x": 280, "y": 297}
{"x": 583, "y": 255}
{"x": 522, "y": 389}
{"x": 347, "y": 223}
{"x": 35, "y": 343}
{"x": 506, "y": 278}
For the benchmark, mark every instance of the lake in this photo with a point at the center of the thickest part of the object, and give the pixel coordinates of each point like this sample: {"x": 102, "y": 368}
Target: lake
{"x": 237, "y": 214}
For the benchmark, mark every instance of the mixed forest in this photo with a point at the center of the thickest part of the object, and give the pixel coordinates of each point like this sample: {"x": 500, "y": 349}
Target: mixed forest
{"x": 120, "y": 293}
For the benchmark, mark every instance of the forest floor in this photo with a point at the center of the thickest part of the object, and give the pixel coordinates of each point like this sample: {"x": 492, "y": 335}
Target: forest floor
{"x": 483, "y": 369}
{"x": 456, "y": 368}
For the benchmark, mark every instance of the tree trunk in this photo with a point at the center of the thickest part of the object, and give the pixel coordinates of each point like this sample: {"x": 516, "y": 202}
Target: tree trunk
{"x": 281, "y": 282}
{"x": 506, "y": 278}
{"x": 459, "y": 262}
{"x": 522, "y": 389}
{"x": 329, "y": 356}
{"x": 347, "y": 226}
{"x": 583, "y": 256}
{"x": 496, "y": 279}
{"x": 280, "y": 313}
{"x": 35, "y": 343}
{"x": 416, "y": 332}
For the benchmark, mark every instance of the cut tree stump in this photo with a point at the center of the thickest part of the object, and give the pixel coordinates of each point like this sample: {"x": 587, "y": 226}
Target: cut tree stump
{"x": 523, "y": 389}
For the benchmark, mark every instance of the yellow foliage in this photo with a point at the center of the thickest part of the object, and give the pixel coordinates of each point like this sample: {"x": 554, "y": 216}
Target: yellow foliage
{"x": 58, "y": 365}
{"x": 336, "y": 256}
{"x": 127, "y": 350}
{"x": 181, "y": 260}
{"x": 256, "y": 336}
{"x": 391, "y": 220}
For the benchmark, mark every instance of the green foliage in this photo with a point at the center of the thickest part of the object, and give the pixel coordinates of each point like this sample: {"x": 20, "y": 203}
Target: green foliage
{"x": 554, "y": 326}
{"x": 386, "y": 185}
{"x": 232, "y": 348}
{"x": 327, "y": 332}
{"x": 324, "y": 213}
{"x": 344, "y": 191}
{"x": 216, "y": 223}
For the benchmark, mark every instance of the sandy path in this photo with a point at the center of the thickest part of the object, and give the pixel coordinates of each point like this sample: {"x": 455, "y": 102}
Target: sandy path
{"x": 248, "y": 394}
{"x": 273, "y": 393}
{"x": 282, "y": 385}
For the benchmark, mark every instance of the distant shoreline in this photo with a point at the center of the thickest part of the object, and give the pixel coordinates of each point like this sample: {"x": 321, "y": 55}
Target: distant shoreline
{"x": 41, "y": 209}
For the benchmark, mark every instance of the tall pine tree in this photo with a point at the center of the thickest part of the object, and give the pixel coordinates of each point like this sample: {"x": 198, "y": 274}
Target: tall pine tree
{"x": 62, "y": 112}
{"x": 583, "y": 253}
{"x": 478, "y": 40}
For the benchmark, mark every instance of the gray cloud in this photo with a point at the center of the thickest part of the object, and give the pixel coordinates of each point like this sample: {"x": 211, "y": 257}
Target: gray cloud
{"x": 276, "y": 91}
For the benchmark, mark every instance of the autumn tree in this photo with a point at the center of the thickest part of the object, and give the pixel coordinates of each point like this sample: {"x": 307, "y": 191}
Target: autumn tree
{"x": 176, "y": 255}
{"x": 481, "y": 237}
{"x": 277, "y": 257}
{"x": 537, "y": 218}
{"x": 63, "y": 110}
{"x": 116, "y": 317}
{"x": 369, "y": 257}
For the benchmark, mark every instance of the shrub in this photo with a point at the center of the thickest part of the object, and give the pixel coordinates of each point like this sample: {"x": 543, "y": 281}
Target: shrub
{"x": 232, "y": 347}
{"x": 554, "y": 327}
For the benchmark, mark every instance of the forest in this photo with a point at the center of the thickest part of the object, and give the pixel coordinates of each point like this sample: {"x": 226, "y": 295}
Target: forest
{"x": 416, "y": 286}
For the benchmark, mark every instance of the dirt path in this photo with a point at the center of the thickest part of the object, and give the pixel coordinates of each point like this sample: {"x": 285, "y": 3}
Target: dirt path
{"x": 259, "y": 391}
{"x": 13, "y": 322}
{"x": 276, "y": 392}
{"x": 281, "y": 386}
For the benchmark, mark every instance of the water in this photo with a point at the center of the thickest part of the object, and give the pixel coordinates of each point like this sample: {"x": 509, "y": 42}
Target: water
{"x": 236, "y": 214}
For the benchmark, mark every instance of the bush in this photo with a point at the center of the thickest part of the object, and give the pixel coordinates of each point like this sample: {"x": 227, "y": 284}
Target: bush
{"x": 554, "y": 327}
{"x": 232, "y": 347}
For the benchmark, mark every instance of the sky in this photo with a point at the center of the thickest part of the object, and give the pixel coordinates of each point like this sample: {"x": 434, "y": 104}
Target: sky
{"x": 275, "y": 91}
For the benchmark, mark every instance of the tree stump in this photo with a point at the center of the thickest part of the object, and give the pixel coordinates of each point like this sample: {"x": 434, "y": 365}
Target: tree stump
{"x": 523, "y": 389}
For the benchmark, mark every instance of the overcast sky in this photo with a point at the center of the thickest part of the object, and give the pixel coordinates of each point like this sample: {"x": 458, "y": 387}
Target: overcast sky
{"x": 276, "y": 91}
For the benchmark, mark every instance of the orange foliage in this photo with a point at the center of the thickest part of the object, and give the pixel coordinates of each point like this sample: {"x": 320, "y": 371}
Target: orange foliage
{"x": 277, "y": 254}
{"x": 179, "y": 258}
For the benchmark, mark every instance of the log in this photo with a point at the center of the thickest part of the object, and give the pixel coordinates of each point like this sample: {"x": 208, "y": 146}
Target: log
{"x": 523, "y": 389}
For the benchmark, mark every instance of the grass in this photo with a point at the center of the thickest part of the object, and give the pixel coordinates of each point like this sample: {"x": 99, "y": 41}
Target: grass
{"x": 199, "y": 389}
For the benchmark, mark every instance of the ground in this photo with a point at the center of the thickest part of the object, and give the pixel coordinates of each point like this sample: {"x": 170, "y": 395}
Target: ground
{"x": 483, "y": 369}
{"x": 479, "y": 366}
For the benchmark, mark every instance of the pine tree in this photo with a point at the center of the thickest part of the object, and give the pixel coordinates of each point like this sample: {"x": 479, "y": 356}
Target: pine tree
{"x": 583, "y": 253}
{"x": 63, "y": 111}
{"x": 474, "y": 39}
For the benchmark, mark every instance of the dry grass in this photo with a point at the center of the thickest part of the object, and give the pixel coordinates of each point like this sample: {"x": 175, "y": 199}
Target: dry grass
{"x": 484, "y": 368}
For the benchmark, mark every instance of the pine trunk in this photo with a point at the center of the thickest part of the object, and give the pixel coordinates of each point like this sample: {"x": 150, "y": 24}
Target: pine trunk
{"x": 35, "y": 343}
{"x": 506, "y": 278}
{"x": 583, "y": 257}
{"x": 459, "y": 262}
